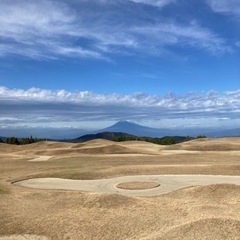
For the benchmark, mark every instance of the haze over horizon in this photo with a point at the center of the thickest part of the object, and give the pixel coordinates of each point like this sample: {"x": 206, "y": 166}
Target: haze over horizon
{"x": 82, "y": 64}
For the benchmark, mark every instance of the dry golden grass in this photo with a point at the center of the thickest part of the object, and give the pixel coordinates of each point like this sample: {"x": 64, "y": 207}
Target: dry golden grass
{"x": 200, "y": 212}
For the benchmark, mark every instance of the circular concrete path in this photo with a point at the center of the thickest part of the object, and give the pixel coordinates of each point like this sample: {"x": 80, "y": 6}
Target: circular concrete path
{"x": 168, "y": 183}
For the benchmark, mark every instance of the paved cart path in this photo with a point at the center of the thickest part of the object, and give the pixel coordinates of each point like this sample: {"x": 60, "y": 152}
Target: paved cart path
{"x": 168, "y": 183}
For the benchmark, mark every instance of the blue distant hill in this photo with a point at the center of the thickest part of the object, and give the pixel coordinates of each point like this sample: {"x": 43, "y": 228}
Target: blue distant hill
{"x": 137, "y": 130}
{"x": 120, "y": 136}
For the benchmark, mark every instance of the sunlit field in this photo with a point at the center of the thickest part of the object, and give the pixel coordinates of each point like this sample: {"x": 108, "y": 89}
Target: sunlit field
{"x": 198, "y": 211}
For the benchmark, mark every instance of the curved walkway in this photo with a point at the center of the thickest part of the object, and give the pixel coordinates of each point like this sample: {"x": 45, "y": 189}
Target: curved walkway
{"x": 168, "y": 183}
{"x": 40, "y": 159}
{"x": 23, "y": 237}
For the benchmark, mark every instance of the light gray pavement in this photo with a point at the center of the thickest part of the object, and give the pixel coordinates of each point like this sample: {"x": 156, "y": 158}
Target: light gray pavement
{"x": 168, "y": 183}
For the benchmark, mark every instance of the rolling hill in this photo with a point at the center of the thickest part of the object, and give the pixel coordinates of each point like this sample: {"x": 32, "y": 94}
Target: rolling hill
{"x": 120, "y": 137}
{"x": 103, "y": 135}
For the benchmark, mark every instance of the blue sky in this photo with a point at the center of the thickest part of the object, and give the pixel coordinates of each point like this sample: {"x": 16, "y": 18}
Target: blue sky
{"x": 90, "y": 63}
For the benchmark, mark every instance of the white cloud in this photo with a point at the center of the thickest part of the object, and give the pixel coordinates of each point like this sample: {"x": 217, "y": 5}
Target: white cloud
{"x": 157, "y": 3}
{"x": 40, "y": 29}
{"x": 45, "y": 106}
{"x": 225, "y": 6}
{"x": 50, "y": 29}
{"x": 175, "y": 34}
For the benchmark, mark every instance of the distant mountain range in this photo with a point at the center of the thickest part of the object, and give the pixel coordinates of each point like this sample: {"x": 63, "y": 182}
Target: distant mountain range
{"x": 224, "y": 133}
{"x": 139, "y": 130}
{"x": 49, "y": 133}
{"x": 121, "y": 126}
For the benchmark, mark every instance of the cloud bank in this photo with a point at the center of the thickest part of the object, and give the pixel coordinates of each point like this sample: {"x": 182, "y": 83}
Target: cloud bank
{"x": 43, "y": 106}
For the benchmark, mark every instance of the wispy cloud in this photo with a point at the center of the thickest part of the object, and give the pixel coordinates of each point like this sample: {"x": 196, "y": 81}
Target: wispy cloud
{"x": 50, "y": 29}
{"x": 229, "y": 7}
{"x": 39, "y": 29}
{"x": 193, "y": 35}
{"x": 47, "y": 106}
{"x": 157, "y": 3}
